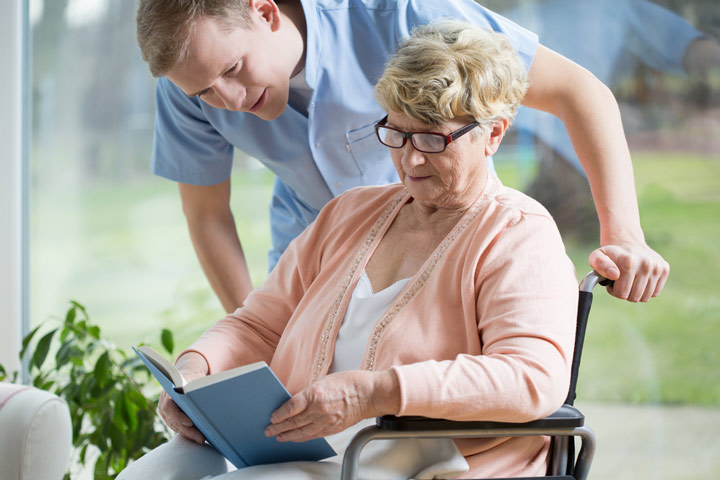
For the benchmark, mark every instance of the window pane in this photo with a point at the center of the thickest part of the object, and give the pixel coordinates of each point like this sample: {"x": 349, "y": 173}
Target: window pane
{"x": 104, "y": 230}
{"x": 649, "y": 375}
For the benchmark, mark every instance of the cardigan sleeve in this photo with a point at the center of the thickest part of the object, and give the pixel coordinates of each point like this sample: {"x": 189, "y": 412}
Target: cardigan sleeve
{"x": 526, "y": 300}
{"x": 252, "y": 332}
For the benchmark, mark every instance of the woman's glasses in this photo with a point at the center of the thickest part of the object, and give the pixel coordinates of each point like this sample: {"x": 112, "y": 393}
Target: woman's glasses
{"x": 426, "y": 142}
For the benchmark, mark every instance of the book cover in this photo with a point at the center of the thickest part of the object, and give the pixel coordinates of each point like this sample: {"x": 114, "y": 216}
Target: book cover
{"x": 232, "y": 409}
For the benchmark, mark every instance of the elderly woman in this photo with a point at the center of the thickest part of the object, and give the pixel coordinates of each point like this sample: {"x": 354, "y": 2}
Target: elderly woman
{"x": 446, "y": 295}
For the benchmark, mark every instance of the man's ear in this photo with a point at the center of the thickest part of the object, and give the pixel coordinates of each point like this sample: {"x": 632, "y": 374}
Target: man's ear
{"x": 266, "y": 12}
{"x": 497, "y": 132}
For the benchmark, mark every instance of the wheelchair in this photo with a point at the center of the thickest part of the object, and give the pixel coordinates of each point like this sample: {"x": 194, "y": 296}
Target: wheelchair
{"x": 563, "y": 425}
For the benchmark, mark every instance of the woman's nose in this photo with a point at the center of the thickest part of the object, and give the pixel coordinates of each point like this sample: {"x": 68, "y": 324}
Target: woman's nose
{"x": 231, "y": 94}
{"x": 412, "y": 156}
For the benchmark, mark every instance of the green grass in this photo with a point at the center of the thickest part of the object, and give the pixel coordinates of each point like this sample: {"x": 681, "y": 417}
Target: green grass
{"x": 123, "y": 251}
{"x": 664, "y": 351}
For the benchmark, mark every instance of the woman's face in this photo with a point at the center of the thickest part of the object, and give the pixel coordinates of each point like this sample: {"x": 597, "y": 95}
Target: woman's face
{"x": 450, "y": 179}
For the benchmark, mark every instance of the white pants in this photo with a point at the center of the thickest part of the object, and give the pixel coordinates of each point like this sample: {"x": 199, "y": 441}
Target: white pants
{"x": 182, "y": 459}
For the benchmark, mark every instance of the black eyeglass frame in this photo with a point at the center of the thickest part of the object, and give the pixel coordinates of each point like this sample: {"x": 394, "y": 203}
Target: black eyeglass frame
{"x": 447, "y": 138}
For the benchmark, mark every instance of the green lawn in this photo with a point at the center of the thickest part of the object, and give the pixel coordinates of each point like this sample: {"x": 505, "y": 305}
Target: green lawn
{"x": 664, "y": 351}
{"x": 123, "y": 251}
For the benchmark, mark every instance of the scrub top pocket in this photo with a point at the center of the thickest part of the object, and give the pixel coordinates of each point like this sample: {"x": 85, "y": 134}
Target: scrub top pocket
{"x": 367, "y": 151}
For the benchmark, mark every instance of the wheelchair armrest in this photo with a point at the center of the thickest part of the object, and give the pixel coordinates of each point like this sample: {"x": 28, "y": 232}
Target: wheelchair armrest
{"x": 566, "y": 417}
{"x": 566, "y": 422}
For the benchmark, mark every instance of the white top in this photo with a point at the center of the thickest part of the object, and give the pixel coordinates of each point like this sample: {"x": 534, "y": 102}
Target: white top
{"x": 364, "y": 310}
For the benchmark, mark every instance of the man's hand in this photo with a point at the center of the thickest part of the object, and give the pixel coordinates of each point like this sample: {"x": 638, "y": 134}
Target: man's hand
{"x": 191, "y": 366}
{"x": 638, "y": 272}
{"x": 335, "y": 403}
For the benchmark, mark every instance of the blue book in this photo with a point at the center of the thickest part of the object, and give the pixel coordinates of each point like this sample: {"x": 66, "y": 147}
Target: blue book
{"x": 232, "y": 409}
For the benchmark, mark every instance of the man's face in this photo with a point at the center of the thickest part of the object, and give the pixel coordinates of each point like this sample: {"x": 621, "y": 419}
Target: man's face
{"x": 245, "y": 70}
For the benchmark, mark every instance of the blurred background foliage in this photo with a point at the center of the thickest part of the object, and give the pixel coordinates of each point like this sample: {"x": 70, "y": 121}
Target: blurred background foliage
{"x": 106, "y": 232}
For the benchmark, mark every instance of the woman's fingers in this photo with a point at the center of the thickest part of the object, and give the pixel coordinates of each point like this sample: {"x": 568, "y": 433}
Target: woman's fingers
{"x": 326, "y": 407}
{"x": 177, "y": 421}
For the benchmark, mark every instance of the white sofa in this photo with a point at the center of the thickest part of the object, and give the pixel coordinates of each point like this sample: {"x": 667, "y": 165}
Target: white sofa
{"x": 35, "y": 434}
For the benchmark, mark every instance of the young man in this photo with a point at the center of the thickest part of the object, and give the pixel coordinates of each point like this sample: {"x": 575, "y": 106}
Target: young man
{"x": 291, "y": 84}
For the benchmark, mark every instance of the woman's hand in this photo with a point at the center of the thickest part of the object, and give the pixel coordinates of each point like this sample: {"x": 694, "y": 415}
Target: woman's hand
{"x": 191, "y": 366}
{"x": 638, "y": 271}
{"x": 335, "y": 403}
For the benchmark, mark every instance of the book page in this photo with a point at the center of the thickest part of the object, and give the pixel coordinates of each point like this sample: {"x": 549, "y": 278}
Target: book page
{"x": 220, "y": 376}
{"x": 162, "y": 364}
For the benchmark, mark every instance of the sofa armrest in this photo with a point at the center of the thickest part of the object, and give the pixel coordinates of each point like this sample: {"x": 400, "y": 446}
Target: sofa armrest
{"x": 35, "y": 434}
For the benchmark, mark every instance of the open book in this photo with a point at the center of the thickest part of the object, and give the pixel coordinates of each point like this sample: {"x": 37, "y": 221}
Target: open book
{"x": 232, "y": 409}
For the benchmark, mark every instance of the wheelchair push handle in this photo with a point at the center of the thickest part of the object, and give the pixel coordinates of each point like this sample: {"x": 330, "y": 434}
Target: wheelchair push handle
{"x": 593, "y": 278}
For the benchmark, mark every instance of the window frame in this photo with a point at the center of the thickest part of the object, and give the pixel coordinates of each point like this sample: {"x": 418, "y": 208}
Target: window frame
{"x": 14, "y": 194}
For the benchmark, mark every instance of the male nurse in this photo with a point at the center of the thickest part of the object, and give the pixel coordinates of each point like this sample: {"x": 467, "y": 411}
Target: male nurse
{"x": 290, "y": 83}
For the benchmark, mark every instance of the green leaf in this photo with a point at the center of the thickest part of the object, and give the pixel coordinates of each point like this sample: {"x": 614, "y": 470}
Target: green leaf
{"x": 138, "y": 399}
{"x": 94, "y": 331}
{"x": 117, "y": 437}
{"x": 42, "y": 349}
{"x": 64, "y": 333}
{"x": 166, "y": 337}
{"x": 70, "y": 315}
{"x": 101, "y": 466}
{"x": 27, "y": 339}
{"x": 64, "y": 353}
{"x": 79, "y": 307}
{"x": 37, "y": 381}
{"x": 3, "y": 374}
{"x": 130, "y": 411}
{"x": 47, "y": 385}
{"x": 102, "y": 369}
{"x": 83, "y": 453}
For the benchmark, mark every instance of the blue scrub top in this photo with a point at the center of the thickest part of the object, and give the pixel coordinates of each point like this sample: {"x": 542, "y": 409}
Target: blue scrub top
{"x": 332, "y": 149}
{"x": 609, "y": 38}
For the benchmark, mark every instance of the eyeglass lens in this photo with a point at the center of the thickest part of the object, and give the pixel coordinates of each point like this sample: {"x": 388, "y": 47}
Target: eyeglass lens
{"x": 426, "y": 142}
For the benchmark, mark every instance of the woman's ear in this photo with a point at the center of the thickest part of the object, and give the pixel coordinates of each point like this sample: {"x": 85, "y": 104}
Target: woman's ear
{"x": 497, "y": 132}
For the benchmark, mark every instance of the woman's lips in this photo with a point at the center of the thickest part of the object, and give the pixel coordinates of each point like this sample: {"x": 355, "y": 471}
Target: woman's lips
{"x": 259, "y": 104}
{"x": 417, "y": 179}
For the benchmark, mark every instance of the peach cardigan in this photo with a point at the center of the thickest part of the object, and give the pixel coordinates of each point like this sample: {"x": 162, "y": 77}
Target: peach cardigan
{"x": 483, "y": 331}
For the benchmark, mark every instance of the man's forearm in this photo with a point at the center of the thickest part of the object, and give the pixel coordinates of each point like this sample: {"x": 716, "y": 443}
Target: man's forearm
{"x": 222, "y": 259}
{"x": 599, "y": 141}
{"x": 216, "y": 242}
{"x": 591, "y": 116}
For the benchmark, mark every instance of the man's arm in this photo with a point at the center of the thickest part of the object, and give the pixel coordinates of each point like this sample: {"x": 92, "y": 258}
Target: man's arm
{"x": 592, "y": 118}
{"x": 213, "y": 234}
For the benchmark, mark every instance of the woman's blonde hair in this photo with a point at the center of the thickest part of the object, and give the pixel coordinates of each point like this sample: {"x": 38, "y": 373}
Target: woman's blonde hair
{"x": 165, "y": 27}
{"x": 450, "y": 69}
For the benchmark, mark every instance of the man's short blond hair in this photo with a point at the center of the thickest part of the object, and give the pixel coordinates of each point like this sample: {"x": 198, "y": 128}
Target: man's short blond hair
{"x": 449, "y": 69}
{"x": 165, "y": 27}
